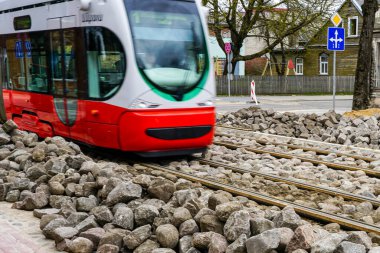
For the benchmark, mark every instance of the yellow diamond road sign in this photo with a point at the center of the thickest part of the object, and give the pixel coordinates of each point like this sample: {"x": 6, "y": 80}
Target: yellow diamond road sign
{"x": 336, "y": 19}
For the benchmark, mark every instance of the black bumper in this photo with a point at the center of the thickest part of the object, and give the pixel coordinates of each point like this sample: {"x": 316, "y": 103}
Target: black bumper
{"x": 178, "y": 133}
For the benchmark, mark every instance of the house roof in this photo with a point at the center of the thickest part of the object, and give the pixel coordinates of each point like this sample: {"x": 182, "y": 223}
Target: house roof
{"x": 357, "y": 3}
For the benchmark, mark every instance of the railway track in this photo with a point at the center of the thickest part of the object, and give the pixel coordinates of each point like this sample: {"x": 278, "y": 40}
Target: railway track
{"x": 297, "y": 183}
{"x": 268, "y": 200}
{"x": 305, "y": 149}
{"x": 331, "y": 165}
{"x": 306, "y": 145}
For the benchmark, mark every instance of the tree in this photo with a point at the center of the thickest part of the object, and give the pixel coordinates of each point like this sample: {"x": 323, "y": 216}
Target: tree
{"x": 280, "y": 67}
{"x": 274, "y": 28}
{"x": 275, "y": 23}
{"x": 365, "y": 58}
{"x": 244, "y": 18}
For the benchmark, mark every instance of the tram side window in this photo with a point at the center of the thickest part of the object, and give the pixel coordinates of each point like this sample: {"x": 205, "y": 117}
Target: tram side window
{"x": 105, "y": 62}
{"x": 63, "y": 62}
{"x": 56, "y": 55}
{"x": 17, "y": 71}
{"x": 26, "y": 56}
{"x": 70, "y": 60}
{"x": 6, "y": 72}
{"x": 4, "y": 76}
{"x": 2, "y": 72}
{"x": 37, "y": 63}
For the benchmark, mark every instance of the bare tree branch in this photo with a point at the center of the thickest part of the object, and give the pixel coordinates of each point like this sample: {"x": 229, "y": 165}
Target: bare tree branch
{"x": 275, "y": 20}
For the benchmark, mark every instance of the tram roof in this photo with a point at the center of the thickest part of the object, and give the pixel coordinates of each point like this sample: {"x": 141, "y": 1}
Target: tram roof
{"x": 12, "y": 4}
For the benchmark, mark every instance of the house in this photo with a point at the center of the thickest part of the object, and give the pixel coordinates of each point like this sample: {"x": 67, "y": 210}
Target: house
{"x": 252, "y": 44}
{"x": 307, "y": 54}
{"x": 311, "y": 58}
{"x": 256, "y": 42}
{"x": 319, "y": 61}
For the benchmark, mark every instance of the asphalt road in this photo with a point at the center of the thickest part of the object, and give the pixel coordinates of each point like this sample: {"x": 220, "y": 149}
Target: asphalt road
{"x": 297, "y": 104}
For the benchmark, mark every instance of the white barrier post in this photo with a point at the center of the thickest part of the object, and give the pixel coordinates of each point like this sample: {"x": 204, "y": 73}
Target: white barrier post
{"x": 253, "y": 92}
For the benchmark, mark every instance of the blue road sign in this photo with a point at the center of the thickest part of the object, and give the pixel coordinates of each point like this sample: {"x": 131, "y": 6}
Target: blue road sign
{"x": 335, "y": 39}
{"x": 19, "y": 50}
{"x": 28, "y": 46}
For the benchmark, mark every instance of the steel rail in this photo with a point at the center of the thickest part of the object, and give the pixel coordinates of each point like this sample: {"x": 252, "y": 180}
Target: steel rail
{"x": 291, "y": 146}
{"x": 268, "y": 200}
{"x": 301, "y": 185}
{"x": 293, "y": 138}
{"x": 336, "y": 166}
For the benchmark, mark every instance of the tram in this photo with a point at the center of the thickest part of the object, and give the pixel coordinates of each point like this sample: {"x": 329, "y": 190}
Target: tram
{"x": 132, "y": 75}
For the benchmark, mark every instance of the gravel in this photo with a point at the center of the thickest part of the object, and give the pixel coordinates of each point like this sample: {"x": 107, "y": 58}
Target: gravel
{"x": 356, "y": 182}
{"x": 87, "y": 205}
{"x": 329, "y": 127}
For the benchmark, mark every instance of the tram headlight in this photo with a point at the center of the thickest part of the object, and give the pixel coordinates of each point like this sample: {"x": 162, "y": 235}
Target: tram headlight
{"x": 141, "y": 104}
{"x": 207, "y": 103}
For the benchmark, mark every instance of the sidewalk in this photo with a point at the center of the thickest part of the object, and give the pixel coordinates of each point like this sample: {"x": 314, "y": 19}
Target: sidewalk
{"x": 296, "y": 104}
{"x": 20, "y": 232}
{"x": 244, "y": 99}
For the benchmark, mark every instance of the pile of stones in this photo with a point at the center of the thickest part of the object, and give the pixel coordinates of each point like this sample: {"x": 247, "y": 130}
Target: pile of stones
{"x": 88, "y": 206}
{"x": 329, "y": 127}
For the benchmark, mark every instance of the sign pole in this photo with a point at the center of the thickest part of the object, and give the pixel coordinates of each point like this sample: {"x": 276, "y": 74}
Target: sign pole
{"x": 335, "y": 42}
{"x": 228, "y": 48}
{"x": 228, "y": 74}
{"x": 334, "y": 81}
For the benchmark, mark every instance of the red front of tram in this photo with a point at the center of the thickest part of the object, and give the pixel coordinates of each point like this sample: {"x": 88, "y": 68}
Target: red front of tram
{"x": 144, "y": 86}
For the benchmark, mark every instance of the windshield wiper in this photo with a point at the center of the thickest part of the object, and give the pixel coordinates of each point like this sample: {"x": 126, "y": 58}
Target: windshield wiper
{"x": 179, "y": 93}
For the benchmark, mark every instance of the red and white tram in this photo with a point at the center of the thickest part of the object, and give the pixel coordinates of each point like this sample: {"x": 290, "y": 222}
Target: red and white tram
{"x": 132, "y": 75}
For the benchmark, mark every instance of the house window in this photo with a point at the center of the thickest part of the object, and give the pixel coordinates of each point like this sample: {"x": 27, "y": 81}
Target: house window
{"x": 299, "y": 66}
{"x": 324, "y": 64}
{"x": 353, "y": 27}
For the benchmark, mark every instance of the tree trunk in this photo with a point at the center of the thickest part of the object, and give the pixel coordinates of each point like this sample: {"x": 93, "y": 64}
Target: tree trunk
{"x": 364, "y": 65}
{"x": 280, "y": 67}
{"x": 276, "y": 65}
{"x": 283, "y": 60}
{"x": 225, "y": 70}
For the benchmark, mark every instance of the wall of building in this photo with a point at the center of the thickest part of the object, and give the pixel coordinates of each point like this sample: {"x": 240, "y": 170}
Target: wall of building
{"x": 254, "y": 45}
{"x": 346, "y": 60}
{"x": 271, "y": 69}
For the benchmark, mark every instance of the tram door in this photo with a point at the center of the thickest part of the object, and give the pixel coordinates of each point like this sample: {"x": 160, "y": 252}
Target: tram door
{"x": 63, "y": 73}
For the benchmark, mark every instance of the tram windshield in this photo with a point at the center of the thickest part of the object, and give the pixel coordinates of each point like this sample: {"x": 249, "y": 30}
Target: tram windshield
{"x": 169, "y": 43}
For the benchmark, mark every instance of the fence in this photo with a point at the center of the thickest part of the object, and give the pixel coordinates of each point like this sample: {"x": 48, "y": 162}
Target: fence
{"x": 269, "y": 85}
